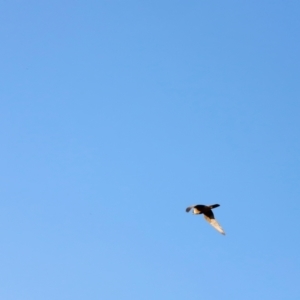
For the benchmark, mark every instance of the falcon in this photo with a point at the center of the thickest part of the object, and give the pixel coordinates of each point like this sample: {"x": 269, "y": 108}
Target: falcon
{"x": 206, "y": 210}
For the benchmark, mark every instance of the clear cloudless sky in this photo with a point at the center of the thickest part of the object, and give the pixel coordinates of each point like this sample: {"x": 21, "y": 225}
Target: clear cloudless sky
{"x": 117, "y": 115}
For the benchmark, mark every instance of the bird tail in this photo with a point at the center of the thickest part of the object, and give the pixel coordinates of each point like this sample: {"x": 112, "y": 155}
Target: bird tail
{"x": 214, "y": 206}
{"x": 189, "y": 208}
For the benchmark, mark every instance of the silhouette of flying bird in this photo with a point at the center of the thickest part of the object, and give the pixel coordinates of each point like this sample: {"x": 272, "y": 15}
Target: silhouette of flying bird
{"x": 206, "y": 210}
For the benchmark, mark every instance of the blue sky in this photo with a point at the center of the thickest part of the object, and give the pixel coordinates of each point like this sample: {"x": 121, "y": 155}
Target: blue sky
{"x": 117, "y": 115}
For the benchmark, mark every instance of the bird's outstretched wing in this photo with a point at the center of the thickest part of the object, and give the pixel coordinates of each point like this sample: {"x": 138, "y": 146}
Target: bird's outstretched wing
{"x": 214, "y": 205}
{"x": 213, "y": 222}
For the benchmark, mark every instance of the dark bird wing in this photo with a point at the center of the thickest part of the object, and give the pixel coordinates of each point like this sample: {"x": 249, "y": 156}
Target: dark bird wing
{"x": 214, "y": 205}
{"x": 209, "y": 217}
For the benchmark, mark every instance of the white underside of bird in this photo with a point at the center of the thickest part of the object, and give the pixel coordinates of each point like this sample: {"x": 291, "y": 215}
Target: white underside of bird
{"x": 215, "y": 224}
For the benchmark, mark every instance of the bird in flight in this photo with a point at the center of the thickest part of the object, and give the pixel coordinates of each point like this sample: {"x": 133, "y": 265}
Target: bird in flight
{"x": 206, "y": 210}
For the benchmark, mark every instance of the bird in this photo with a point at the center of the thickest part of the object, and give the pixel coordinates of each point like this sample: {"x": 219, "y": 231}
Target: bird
{"x": 206, "y": 210}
